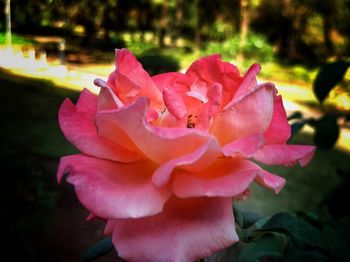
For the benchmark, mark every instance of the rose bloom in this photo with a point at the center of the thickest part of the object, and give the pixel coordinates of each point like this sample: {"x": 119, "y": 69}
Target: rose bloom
{"x": 163, "y": 157}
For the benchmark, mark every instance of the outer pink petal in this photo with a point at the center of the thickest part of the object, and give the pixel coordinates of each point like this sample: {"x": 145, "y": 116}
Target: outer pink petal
{"x": 249, "y": 81}
{"x": 132, "y": 81}
{"x": 158, "y": 144}
{"x": 285, "y": 154}
{"x": 77, "y": 124}
{"x": 114, "y": 190}
{"x": 279, "y": 130}
{"x": 246, "y": 146}
{"x": 270, "y": 181}
{"x": 186, "y": 230}
{"x": 225, "y": 178}
{"x": 197, "y": 160}
{"x": 247, "y": 115}
{"x": 87, "y": 102}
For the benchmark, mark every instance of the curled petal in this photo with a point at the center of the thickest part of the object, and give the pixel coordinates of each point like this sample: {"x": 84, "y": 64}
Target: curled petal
{"x": 78, "y": 126}
{"x": 158, "y": 144}
{"x": 114, "y": 190}
{"x": 245, "y": 146}
{"x": 247, "y": 115}
{"x": 185, "y": 231}
{"x": 107, "y": 99}
{"x": 174, "y": 103}
{"x": 225, "y": 178}
{"x": 279, "y": 130}
{"x": 270, "y": 181}
{"x": 285, "y": 154}
{"x": 197, "y": 160}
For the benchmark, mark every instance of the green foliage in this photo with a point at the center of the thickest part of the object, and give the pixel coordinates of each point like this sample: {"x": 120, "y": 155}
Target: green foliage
{"x": 326, "y": 131}
{"x": 326, "y": 127}
{"x": 98, "y": 250}
{"x": 138, "y": 47}
{"x": 328, "y": 77}
{"x": 291, "y": 237}
{"x": 265, "y": 245}
{"x": 256, "y": 48}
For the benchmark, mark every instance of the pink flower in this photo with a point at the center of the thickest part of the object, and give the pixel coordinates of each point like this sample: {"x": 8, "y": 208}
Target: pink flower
{"x": 162, "y": 157}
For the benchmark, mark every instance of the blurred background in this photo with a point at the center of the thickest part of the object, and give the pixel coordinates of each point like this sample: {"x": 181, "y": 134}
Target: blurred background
{"x": 51, "y": 49}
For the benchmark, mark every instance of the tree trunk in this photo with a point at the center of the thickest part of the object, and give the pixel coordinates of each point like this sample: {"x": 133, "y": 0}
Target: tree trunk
{"x": 244, "y": 28}
{"x": 178, "y": 19}
{"x": 163, "y": 24}
{"x": 197, "y": 33}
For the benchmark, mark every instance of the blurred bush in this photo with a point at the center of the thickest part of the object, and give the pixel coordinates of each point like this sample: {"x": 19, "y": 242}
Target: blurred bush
{"x": 256, "y": 48}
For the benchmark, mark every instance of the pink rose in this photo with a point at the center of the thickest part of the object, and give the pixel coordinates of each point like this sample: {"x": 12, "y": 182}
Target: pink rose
{"x": 162, "y": 157}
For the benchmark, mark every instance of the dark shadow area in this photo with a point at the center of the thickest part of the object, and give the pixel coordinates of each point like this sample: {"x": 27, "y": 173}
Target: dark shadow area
{"x": 41, "y": 220}
{"x": 157, "y": 63}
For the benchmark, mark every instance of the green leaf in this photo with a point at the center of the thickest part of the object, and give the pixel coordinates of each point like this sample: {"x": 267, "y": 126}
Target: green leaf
{"x": 327, "y": 131}
{"x": 245, "y": 219}
{"x": 266, "y": 245}
{"x": 295, "y": 254}
{"x": 97, "y": 250}
{"x": 295, "y": 115}
{"x": 296, "y": 127}
{"x": 328, "y": 76}
{"x": 304, "y": 235}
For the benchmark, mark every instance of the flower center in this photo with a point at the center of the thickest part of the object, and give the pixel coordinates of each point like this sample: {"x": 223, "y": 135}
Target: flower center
{"x": 191, "y": 121}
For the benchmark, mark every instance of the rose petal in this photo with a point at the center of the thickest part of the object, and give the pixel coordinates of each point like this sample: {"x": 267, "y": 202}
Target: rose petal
{"x": 186, "y": 230}
{"x": 231, "y": 80}
{"x": 285, "y": 154}
{"x": 158, "y": 144}
{"x": 106, "y": 99}
{"x": 78, "y": 126}
{"x": 248, "y": 115}
{"x": 87, "y": 102}
{"x": 211, "y": 108}
{"x": 114, "y": 190}
{"x": 193, "y": 162}
{"x": 225, "y": 178}
{"x": 168, "y": 80}
{"x": 174, "y": 103}
{"x": 132, "y": 81}
{"x": 249, "y": 81}
{"x": 207, "y": 69}
{"x": 212, "y": 70}
{"x": 270, "y": 181}
{"x": 246, "y": 146}
{"x": 279, "y": 130}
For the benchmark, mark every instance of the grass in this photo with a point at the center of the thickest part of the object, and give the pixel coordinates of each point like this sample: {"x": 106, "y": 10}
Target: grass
{"x": 16, "y": 39}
